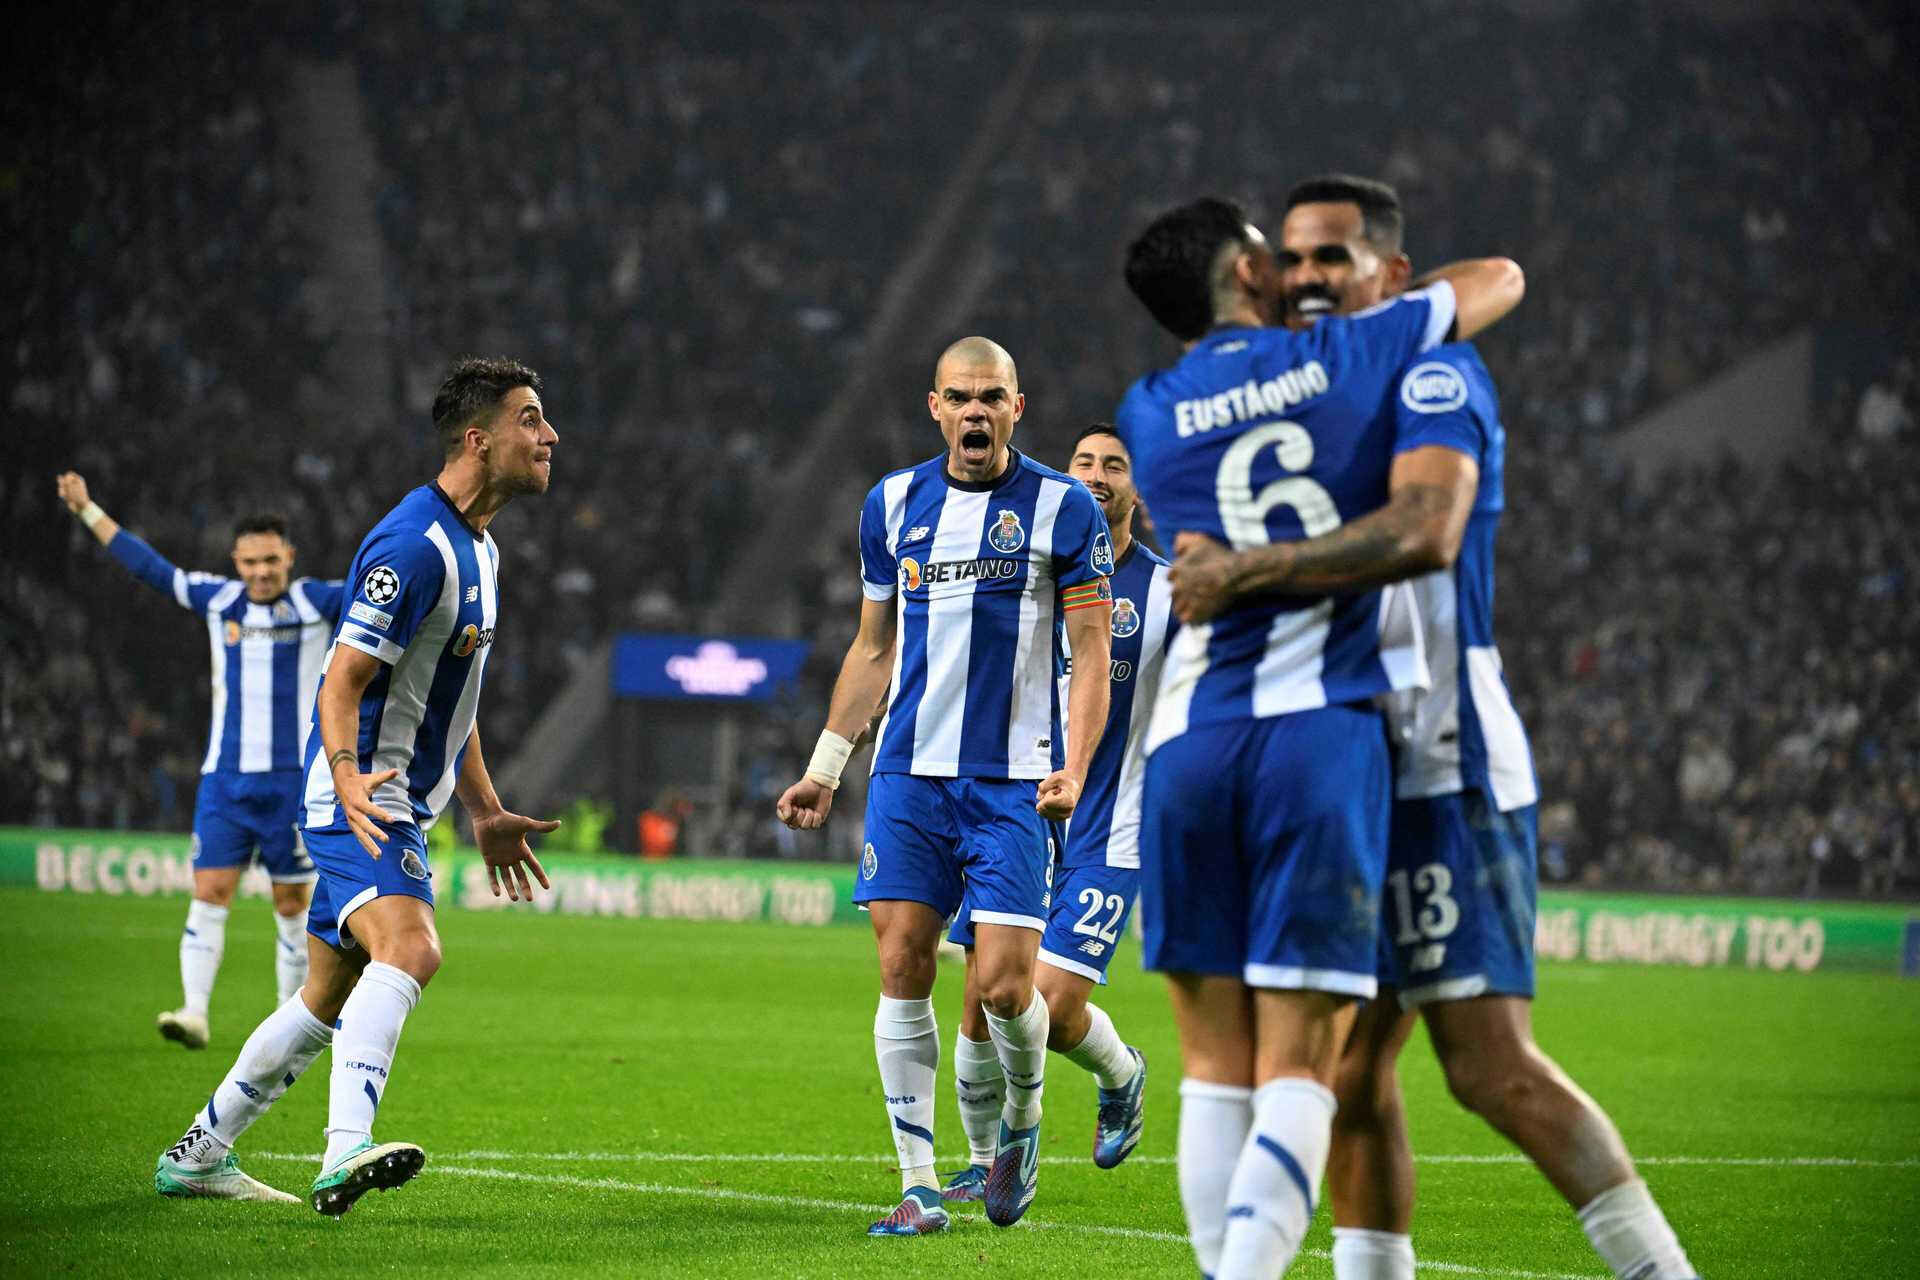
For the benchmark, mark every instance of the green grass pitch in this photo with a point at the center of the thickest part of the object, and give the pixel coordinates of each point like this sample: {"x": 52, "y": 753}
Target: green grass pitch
{"x": 594, "y": 1095}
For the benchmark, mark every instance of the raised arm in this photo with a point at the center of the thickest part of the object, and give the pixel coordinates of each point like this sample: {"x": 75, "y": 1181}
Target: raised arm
{"x": 141, "y": 560}
{"x": 1090, "y": 638}
{"x": 864, "y": 675}
{"x": 1484, "y": 290}
{"x": 500, "y": 835}
{"x": 1419, "y": 530}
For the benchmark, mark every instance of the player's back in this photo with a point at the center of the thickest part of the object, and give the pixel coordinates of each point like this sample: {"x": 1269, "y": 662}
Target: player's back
{"x": 1266, "y": 435}
{"x": 424, "y": 603}
{"x": 1464, "y": 731}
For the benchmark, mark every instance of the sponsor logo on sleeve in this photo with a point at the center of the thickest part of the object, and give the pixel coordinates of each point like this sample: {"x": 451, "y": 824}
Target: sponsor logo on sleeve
{"x": 382, "y": 585}
{"x": 1433, "y": 387}
{"x": 361, "y": 611}
{"x": 1102, "y": 553}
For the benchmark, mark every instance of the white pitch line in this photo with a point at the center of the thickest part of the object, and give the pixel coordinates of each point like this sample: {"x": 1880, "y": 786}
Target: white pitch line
{"x": 788, "y": 1157}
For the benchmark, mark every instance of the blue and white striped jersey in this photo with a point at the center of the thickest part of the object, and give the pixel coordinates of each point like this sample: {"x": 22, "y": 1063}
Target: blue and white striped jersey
{"x": 1464, "y": 731}
{"x": 425, "y": 603}
{"x": 267, "y": 657}
{"x": 983, "y": 575}
{"x": 1105, "y": 827}
{"x": 1265, "y": 435}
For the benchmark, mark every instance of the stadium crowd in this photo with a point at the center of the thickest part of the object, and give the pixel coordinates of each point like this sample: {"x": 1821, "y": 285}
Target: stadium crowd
{"x": 684, "y": 226}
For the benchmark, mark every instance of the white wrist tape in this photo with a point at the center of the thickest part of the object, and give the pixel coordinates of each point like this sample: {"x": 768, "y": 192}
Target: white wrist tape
{"x": 829, "y": 758}
{"x": 91, "y": 514}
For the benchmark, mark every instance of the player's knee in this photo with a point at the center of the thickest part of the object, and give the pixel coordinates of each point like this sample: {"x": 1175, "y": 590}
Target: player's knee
{"x": 415, "y": 953}
{"x": 1365, "y": 1090}
{"x": 1007, "y": 995}
{"x": 905, "y": 972}
{"x": 1493, "y": 1089}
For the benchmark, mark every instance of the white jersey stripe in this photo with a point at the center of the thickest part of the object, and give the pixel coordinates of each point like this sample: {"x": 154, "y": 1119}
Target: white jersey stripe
{"x": 1123, "y": 840}
{"x": 465, "y": 710}
{"x": 217, "y": 641}
{"x": 410, "y": 683}
{"x": 1032, "y": 718}
{"x": 1287, "y": 677}
{"x": 256, "y": 691}
{"x": 1186, "y": 663}
{"x": 1509, "y": 764}
{"x": 937, "y": 724}
{"x": 313, "y": 656}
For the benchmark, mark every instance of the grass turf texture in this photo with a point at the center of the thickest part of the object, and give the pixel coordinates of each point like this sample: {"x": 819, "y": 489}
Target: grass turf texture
{"x": 578, "y": 1043}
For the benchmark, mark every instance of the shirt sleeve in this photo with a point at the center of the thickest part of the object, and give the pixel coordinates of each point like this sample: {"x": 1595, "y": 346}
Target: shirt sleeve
{"x": 879, "y": 572}
{"x": 401, "y": 576}
{"x": 1082, "y": 551}
{"x": 329, "y": 596}
{"x": 1434, "y": 405}
{"x": 1410, "y": 324}
{"x": 188, "y": 590}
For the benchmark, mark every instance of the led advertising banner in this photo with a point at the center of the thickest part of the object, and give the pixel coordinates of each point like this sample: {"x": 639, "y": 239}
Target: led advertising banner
{"x": 707, "y": 668}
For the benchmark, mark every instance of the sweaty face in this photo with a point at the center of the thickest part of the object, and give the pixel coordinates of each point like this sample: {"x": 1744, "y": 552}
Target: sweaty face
{"x": 1101, "y": 463}
{"x": 520, "y": 444}
{"x": 264, "y": 562}
{"x": 1326, "y": 264}
{"x": 976, "y": 406}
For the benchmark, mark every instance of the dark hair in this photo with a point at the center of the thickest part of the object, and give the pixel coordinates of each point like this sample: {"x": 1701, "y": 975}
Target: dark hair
{"x": 1098, "y": 429}
{"x": 1379, "y": 203}
{"x": 1170, "y": 267}
{"x": 473, "y": 386}
{"x": 261, "y": 522}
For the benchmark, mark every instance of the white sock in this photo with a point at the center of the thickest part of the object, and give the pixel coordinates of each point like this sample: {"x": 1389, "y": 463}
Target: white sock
{"x": 201, "y": 945}
{"x": 273, "y": 1057}
{"x": 1360, "y": 1254}
{"x": 1214, "y": 1119}
{"x": 1022, "y": 1042}
{"x": 1102, "y": 1052}
{"x": 363, "y": 1048}
{"x": 290, "y": 954}
{"x": 1277, "y": 1180}
{"x": 906, "y": 1044}
{"x": 1631, "y": 1235}
{"x": 981, "y": 1089}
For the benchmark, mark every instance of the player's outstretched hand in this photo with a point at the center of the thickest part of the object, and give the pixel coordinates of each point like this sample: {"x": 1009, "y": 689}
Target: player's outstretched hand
{"x": 502, "y": 838}
{"x": 1059, "y": 793}
{"x": 1202, "y": 577}
{"x": 73, "y": 490}
{"x": 355, "y": 790}
{"x": 804, "y": 806}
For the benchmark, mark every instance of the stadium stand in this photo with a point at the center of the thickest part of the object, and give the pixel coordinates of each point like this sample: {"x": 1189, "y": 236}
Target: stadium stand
{"x": 1713, "y": 661}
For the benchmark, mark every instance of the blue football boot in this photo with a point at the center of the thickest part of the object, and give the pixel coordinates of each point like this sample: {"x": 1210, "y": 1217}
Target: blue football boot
{"x": 1015, "y": 1175}
{"x": 919, "y": 1213}
{"x": 966, "y": 1185}
{"x": 1117, "y": 1131}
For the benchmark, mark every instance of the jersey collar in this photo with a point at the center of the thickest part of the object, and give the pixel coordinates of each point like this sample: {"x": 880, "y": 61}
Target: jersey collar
{"x": 976, "y": 486}
{"x": 457, "y": 514}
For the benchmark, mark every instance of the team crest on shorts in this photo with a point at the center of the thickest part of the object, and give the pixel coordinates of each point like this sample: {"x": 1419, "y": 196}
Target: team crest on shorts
{"x": 411, "y": 864}
{"x": 1126, "y": 618}
{"x": 1007, "y": 536}
{"x": 869, "y": 864}
{"x": 382, "y": 585}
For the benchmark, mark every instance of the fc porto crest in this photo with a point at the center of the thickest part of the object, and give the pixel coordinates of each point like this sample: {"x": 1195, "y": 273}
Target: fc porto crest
{"x": 869, "y": 863}
{"x": 412, "y": 863}
{"x": 1007, "y": 536}
{"x": 1126, "y": 618}
{"x": 283, "y": 614}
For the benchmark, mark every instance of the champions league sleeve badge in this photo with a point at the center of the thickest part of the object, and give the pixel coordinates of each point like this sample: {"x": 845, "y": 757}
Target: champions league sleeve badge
{"x": 382, "y": 585}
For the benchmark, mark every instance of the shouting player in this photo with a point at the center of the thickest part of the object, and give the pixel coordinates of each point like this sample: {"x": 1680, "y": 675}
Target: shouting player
{"x": 396, "y": 739}
{"x": 1457, "y": 916}
{"x": 1263, "y": 844}
{"x": 1099, "y": 862}
{"x": 971, "y": 564}
{"x": 268, "y": 633}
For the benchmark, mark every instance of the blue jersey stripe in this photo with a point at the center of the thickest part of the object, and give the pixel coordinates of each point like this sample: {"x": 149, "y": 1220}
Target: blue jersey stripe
{"x": 996, "y": 627}
{"x": 286, "y": 705}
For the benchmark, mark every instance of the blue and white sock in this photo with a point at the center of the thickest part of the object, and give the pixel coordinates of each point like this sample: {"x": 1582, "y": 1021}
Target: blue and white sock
{"x": 201, "y": 945}
{"x": 980, "y": 1087}
{"x": 1276, "y": 1182}
{"x": 1022, "y": 1042}
{"x": 906, "y": 1045}
{"x": 274, "y": 1056}
{"x": 363, "y": 1048}
{"x": 1361, "y": 1254}
{"x": 1631, "y": 1235}
{"x": 290, "y": 953}
{"x": 1102, "y": 1053}
{"x": 1214, "y": 1119}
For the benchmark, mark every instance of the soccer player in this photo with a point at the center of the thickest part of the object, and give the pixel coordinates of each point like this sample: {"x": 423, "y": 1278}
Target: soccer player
{"x": 1098, "y": 867}
{"x": 972, "y": 563}
{"x": 268, "y": 633}
{"x": 1263, "y": 841}
{"x": 396, "y": 739}
{"x": 1457, "y": 916}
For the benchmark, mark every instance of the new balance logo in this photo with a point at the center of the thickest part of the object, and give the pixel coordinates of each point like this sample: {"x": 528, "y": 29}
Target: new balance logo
{"x": 916, "y": 533}
{"x": 1428, "y": 957}
{"x": 247, "y": 1089}
{"x": 473, "y": 593}
{"x": 1094, "y": 948}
